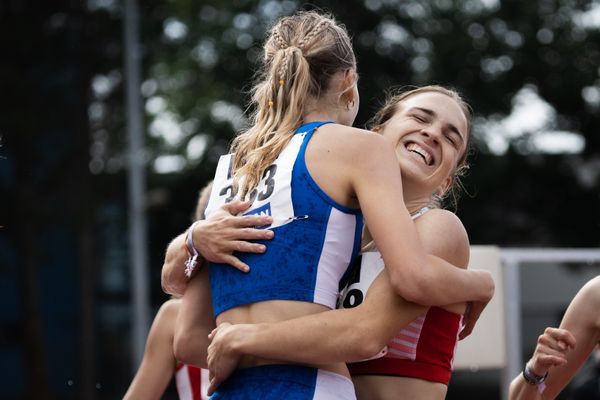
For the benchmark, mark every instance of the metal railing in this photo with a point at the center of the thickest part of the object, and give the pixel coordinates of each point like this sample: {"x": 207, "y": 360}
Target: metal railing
{"x": 512, "y": 258}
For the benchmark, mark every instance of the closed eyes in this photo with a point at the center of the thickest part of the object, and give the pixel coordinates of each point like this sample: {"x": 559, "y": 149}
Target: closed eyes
{"x": 451, "y": 139}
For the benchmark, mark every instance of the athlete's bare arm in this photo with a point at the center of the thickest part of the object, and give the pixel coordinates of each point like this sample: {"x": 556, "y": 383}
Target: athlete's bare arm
{"x": 579, "y": 332}
{"x": 216, "y": 238}
{"x": 195, "y": 321}
{"x": 158, "y": 364}
{"x": 344, "y": 334}
{"x": 371, "y": 168}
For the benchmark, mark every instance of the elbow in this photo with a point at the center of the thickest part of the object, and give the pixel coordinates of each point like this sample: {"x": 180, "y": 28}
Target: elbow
{"x": 164, "y": 283}
{"x": 368, "y": 348}
{"x": 487, "y": 286}
{"x": 169, "y": 284}
{"x": 181, "y": 347}
{"x": 491, "y": 288}
{"x": 414, "y": 289}
{"x": 366, "y": 343}
{"x": 188, "y": 350}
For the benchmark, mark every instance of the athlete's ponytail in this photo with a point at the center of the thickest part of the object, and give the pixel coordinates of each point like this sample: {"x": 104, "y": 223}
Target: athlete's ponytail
{"x": 302, "y": 53}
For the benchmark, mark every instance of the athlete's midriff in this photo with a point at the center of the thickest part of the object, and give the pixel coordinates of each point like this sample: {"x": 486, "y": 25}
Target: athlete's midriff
{"x": 275, "y": 311}
{"x": 381, "y": 387}
{"x": 315, "y": 241}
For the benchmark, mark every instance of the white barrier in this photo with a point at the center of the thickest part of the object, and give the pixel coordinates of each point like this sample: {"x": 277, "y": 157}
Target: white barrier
{"x": 485, "y": 348}
{"x": 496, "y": 342}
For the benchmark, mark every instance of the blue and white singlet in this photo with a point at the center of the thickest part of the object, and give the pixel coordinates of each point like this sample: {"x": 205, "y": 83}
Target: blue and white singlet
{"x": 315, "y": 242}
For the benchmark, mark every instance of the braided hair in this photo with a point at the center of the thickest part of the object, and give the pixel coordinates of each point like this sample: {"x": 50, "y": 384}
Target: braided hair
{"x": 301, "y": 55}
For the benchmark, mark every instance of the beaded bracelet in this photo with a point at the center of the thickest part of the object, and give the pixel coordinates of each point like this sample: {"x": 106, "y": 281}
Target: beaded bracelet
{"x": 193, "y": 254}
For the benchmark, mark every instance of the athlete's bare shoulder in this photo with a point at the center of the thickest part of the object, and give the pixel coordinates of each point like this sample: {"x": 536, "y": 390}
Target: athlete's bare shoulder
{"x": 347, "y": 132}
{"x": 442, "y": 219}
{"x": 443, "y": 234}
{"x": 352, "y": 153}
{"x": 351, "y": 143}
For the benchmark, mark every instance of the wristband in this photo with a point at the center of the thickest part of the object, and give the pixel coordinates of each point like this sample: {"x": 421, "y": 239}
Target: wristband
{"x": 533, "y": 379}
{"x": 193, "y": 254}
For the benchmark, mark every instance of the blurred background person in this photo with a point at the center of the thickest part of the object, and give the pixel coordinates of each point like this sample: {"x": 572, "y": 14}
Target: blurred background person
{"x": 159, "y": 364}
{"x": 561, "y": 352}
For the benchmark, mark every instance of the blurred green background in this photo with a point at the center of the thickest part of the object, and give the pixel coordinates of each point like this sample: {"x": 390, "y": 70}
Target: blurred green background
{"x": 530, "y": 69}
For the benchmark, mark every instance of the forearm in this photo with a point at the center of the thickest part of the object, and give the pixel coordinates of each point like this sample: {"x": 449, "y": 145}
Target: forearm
{"x": 521, "y": 390}
{"x": 436, "y": 282}
{"x": 416, "y": 275}
{"x": 341, "y": 335}
{"x": 158, "y": 363}
{"x": 552, "y": 384}
{"x": 150, "y": 382}
{"x": 556, "y": 358}
{"x": 441, "y": 283}
{"x": 323, "y": 338}
{"x": 194, "y": 321}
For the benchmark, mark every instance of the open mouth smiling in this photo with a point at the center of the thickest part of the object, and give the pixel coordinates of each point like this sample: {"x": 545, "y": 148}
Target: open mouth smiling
{"x": 426, "y": 155}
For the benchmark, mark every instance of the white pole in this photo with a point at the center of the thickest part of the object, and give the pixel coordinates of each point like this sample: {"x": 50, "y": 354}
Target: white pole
{"x": 136, "y": 183}
{"x": 512, "y": 296}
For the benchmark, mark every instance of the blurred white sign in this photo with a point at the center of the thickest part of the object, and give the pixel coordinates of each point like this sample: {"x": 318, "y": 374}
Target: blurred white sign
{"x": 485, "y": 348}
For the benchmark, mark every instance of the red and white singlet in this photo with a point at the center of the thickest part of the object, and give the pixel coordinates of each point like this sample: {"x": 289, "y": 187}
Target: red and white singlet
{"x": 422, "y": 350}
{"x": 191, "y": 382}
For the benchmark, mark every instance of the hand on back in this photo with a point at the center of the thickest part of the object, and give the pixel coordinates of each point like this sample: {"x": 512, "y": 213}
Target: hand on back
{"x": 226, "y": 232}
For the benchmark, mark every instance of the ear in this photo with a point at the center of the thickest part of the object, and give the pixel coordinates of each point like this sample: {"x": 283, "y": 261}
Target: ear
{"x": 347, "y": 86}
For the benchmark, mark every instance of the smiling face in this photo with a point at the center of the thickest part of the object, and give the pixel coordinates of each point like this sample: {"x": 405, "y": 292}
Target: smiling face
{"x": 429, "y": 132}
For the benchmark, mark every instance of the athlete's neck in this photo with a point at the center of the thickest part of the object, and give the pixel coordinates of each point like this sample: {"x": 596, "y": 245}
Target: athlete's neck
{"x": 324, "y": 115}
{"x": 414, "y": 204}
{"x": 416, "y": 194}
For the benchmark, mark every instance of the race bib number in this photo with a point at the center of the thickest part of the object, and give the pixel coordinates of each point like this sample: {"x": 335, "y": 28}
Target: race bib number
{"x": 371, "y": 265}
{"x": 273, "y": 194}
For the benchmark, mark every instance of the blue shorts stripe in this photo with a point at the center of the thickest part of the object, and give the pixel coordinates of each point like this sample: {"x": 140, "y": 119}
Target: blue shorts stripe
{"x": 269, "y": 382}
{"x": 290, "y": 382}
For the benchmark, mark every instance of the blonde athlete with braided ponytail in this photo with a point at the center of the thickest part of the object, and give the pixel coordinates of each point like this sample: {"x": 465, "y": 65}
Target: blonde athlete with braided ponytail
{"x": 305, "y": 171}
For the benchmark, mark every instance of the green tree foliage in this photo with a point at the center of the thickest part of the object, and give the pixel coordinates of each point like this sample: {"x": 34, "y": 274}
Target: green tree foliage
{"x": 495, "y": 52}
